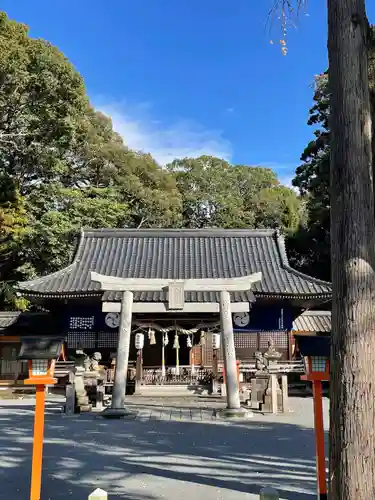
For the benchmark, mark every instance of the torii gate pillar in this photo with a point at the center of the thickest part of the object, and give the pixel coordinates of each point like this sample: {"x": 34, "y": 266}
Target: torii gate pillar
{"x": 122, "y": 357}
{"x": 229, "y": 354}
{"x": 177, "y": 289}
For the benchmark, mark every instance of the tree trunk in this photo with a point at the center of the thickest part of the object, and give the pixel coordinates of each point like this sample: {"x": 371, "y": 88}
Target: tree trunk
{"x": 352, "y": 405}
{"x": 371, "y": 78}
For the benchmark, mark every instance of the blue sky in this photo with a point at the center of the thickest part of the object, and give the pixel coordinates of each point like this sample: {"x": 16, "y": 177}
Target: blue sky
{"x": 190, "y": 77}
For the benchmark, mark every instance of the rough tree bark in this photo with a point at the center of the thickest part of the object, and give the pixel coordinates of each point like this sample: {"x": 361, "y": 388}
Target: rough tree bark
{"x": 352, "y": 405}
{"x": 371, "y": 77}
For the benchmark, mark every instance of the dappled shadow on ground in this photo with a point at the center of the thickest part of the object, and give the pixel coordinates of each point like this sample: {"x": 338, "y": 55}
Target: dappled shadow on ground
{"x": 149, "y": 460}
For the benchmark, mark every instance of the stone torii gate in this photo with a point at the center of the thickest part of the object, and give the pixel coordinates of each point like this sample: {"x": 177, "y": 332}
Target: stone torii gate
{"x": 176, "y": 302}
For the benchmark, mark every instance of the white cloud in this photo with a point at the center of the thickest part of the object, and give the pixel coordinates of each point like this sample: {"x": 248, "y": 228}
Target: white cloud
{"x": 286, "y": 180}
{"x": 180, "y": 139}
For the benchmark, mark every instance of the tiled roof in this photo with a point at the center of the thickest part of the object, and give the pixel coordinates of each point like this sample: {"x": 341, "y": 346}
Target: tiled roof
{"x": 313, "y": 321}
{"x": 19, "y": 323}
{"x": 179, "y": 254}
{"x": 8, "y": 318}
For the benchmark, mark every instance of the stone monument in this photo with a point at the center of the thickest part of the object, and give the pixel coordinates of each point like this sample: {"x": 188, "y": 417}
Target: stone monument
{"x": 88, "y": 376}
{"x": 271, "y": 355}
{"x": 265, "y": 390}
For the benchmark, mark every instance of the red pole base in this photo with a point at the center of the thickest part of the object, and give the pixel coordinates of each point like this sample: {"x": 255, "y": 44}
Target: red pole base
{"x": 319, "y": 440}
{"x": 36, "y": 468}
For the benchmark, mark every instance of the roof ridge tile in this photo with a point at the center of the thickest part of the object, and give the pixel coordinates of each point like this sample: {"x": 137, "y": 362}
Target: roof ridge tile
{"x": 175, "y": 254}
{"x": 170, "y": 232}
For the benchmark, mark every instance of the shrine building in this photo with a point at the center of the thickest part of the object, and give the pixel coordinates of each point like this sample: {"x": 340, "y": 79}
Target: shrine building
{"x": 88, "y": 317}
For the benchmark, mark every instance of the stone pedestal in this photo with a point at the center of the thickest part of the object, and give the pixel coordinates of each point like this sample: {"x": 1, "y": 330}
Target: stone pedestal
{"x": 233, "y": 413}
{"x": 223, "y": 390}
{"x": 215, "y": 386}
{"x": 273, "y": 401}
{"x": 85, "y": 390}
{"x": 259, "y": 386}
{"x": 82, "y": 403}
{"x": 138, "y": 387}
{"x": 266, "y": 393}
{"x": 114, "y": 413}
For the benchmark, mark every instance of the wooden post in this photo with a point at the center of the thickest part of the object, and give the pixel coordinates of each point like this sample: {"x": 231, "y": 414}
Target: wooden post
{"x": 163, "y": 358}
{"x": 191, "y": 356}
{"x": 268, "y": 494}
{"x": 201, "y": 349}
{"x": 274, "y": 387}
{"x": 37, "y": 460}
{"x": 70, "y": 399}
{"x": 122, "y": 358}
{"x": 138, "y": 372}
{"x": 98, "y": 494}
{"x": 177, "y": 360}
{"x": 254, "y": 394}
{"x": 319, "y": 440}
{"x": 233, "y": 394}
{"x": 100, "y": 396}
{"x": 215, "y": 372}
{"x": 284, "y": 393}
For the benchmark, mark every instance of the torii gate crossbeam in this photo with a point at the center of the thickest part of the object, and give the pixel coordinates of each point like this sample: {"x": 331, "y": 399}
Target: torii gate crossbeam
{"x": 176, "y": 293}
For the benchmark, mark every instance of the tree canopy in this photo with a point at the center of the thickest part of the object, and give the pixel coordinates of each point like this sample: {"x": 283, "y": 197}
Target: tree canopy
{"x": 310, "y": 245}
{"x": 63, "y": 167}
{"x": 217, "y": 194}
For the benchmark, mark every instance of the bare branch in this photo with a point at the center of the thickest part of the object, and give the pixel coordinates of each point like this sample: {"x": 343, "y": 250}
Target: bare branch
{"x": 286, "y": 12}
{"x": 10, "y": 138}
{"x": 144, "y": 219}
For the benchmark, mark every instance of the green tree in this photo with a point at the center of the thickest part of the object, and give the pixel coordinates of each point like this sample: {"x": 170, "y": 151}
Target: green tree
{"x": 13, "y": 227}
{"x": 93, "y": 156}
{"x": 66, "y": 165}
{"x": 50, "y": 241}
{"x": 217, "y": 194}
{"x": 310, "y": 246}
{"x": 41, "y": 96}
{"x": 150, "y": 191}
{"x": 209, "y": 198}
{"x": 277, "y": 206}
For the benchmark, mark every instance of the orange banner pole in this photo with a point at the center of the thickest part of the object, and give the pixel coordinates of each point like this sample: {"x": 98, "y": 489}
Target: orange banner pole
{"x": 36, "y": 470}
{"x": 319, "y": 440}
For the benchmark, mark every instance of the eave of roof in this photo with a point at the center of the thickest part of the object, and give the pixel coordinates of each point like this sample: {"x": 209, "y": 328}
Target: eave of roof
{"x": 25, "y": 323}
{"x": 8, "y": 318}
{"x": 313, "y": 321}
{"x": 156, "y": 253}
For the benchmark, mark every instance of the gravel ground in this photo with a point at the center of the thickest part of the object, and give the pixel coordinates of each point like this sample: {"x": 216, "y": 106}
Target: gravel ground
{"x": 173, "y": 449}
